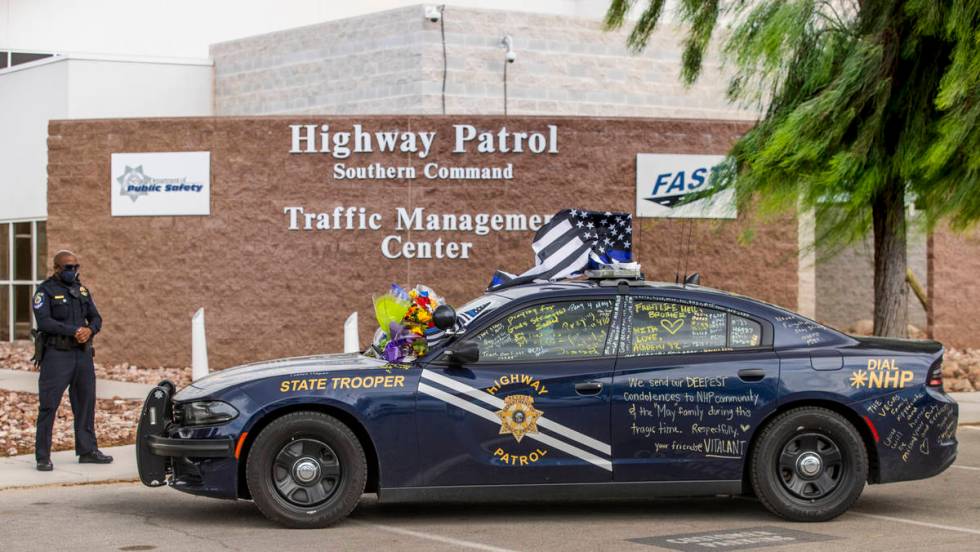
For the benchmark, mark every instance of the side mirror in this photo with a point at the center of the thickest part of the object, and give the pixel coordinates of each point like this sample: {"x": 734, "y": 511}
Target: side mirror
{"x": 444, "y": 317}
{"x": 464, "y": 352}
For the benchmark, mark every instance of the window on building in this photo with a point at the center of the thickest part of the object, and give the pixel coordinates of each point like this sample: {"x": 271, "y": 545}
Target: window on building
{"x": 3, "y": 59}
{"x": 573, "y": 329}
{"x": 16, "y": 58}
{"x": 23, "y": 248}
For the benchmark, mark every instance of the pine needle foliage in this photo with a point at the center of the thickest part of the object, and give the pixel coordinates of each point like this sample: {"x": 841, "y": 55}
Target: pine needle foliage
{"x": 866, "y": 105}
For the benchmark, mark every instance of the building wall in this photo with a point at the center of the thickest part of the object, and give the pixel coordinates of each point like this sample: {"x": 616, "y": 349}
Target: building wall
{"x": 392, "y": 62}
{"x": 82, "y": 87}
{"x": 118, "y": 88}
{"x": 954, "y": 262}
{"x": 29, "y": 97}
{"x": 845, "y": 280}
{"x": 271, "y": 292}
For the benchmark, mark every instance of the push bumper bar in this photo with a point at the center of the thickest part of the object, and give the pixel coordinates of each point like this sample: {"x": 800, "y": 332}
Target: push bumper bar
{"x": 200, "y": 448}
{"x": 154, "y": 448}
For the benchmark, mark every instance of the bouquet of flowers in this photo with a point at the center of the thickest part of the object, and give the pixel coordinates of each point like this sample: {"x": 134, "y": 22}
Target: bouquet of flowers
{"x": 404, "y": 319}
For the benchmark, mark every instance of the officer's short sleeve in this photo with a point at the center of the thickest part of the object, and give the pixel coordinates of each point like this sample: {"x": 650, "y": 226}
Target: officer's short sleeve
{"x": 42, "y": 314}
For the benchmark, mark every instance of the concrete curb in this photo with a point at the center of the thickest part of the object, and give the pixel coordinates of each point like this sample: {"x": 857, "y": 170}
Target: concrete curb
{"x": 24, "y": 381}
{"x": 19, "y": 471}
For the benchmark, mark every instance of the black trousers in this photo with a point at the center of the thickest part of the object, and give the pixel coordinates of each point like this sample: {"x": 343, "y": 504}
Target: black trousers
{"x": 75, "y": 371}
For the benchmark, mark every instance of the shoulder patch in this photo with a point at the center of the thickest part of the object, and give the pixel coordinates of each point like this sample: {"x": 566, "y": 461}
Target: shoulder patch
{"x": 83, "y": 290}
{"x": 38, "y": 300}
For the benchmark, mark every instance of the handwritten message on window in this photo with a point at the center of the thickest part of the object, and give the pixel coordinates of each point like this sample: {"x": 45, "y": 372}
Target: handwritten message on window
{"x": 743, "y": 332}
{"x": 556, "y": 330}
{"x": 665, "y": 328}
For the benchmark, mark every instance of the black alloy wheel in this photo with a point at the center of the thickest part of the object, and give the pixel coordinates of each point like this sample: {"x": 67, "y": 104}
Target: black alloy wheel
{"x": 306, "y": 470}
{"x": 808, "y": 464}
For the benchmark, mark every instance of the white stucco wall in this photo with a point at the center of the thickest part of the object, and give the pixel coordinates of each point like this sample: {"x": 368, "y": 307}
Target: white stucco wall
{"x": 82, "y": 88}
{"x": 29, "y": 97}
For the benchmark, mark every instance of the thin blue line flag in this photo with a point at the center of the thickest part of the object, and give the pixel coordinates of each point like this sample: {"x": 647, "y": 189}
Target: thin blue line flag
{"x": 575, "y": 240}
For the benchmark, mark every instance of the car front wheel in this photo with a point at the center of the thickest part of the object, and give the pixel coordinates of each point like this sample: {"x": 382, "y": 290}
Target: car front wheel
{"x": 810, "y": 464}
{"x": 306, "y": 470}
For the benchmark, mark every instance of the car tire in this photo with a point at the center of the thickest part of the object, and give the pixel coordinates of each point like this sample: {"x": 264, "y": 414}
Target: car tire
{"x": 306, "y": 470}
{"x": 810, "y": 464}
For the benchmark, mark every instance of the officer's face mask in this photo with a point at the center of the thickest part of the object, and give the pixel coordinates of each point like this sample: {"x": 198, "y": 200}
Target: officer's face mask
{"x": 69, "y": 273}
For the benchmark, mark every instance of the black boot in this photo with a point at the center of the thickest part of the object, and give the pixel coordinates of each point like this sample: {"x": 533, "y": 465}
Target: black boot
{"x": 95, "y": 458}
{"x": 44, "y": 465}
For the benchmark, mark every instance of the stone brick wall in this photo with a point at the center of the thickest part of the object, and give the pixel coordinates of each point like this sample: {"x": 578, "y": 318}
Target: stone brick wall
{"x": 392, "y": 62}
{"x": 954, "y": 286}
{"x": 271, "y": 292}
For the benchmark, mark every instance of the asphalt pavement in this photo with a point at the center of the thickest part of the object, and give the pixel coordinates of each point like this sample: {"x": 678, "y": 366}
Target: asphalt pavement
{"x": 942, "y": 513}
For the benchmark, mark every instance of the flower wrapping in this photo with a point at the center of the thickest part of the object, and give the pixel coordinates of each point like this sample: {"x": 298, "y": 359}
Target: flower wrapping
{"x": 404, "y": 318}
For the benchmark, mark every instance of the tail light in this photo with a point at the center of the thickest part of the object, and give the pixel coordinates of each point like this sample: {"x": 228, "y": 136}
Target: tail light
{"x": 935, "y": 376}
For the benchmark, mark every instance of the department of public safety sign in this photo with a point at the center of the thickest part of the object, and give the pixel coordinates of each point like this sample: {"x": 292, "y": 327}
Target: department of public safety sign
{"x": 160, "y": 184}
{"x": 664, "y": 180}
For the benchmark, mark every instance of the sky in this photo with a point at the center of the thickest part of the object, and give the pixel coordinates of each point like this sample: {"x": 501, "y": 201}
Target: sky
{"x": 185, "y": 28}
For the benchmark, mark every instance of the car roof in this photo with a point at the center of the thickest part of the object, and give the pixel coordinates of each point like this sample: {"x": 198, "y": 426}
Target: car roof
{"x": 526, "y": 290}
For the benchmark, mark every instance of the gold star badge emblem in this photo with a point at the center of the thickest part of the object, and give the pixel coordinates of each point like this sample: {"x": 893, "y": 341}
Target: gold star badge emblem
{"x": 518, "y": 416}
{"x": 858, "y": 378}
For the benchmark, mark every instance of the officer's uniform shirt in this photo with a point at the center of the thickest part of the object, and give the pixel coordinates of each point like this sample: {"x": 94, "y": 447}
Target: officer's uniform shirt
{"x": 60, "y": 309}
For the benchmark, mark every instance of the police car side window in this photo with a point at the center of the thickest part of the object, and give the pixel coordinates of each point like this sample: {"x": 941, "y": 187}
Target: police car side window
{"x": 548, "y": 331}
{"x": 663, "y": 328}
{"x": 744, "y": 333}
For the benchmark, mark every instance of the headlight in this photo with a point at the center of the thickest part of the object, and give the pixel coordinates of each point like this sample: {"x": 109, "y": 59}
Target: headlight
{"x": 206, "y": 413}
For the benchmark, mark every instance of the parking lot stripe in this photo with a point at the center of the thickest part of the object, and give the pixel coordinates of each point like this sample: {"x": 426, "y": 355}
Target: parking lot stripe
{"x": 966, "y": 467}
{"x": 921, "y": 523}
{"x": 437, "y": 538}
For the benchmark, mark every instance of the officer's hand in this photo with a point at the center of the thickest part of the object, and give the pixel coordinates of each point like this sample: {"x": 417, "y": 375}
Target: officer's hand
{"x": 83, "y": 334}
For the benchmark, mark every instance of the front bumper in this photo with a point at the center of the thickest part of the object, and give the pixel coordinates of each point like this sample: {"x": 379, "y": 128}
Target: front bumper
{"x": 183, "y": 462}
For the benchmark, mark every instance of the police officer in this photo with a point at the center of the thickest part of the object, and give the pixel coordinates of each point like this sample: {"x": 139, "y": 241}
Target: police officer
{"x": 66, "y": 321}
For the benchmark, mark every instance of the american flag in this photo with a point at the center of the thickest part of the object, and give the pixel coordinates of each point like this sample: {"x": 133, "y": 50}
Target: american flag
{"x": 575, "y": 240}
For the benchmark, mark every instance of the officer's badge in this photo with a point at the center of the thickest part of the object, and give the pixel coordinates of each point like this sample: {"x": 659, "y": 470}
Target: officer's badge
{"x": 38, "y": 300}
{"x": 518, "y": 416}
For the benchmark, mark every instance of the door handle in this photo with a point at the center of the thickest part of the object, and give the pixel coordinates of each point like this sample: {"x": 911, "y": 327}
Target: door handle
{"x": 751, "y": 374}
{"x": 588, "y": 388}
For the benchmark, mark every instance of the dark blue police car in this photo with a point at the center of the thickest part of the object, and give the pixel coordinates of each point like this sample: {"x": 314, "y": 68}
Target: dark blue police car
{"x": 579, "y": 389}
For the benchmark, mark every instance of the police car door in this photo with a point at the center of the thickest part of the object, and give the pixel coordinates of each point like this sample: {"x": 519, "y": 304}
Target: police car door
{"x": 534, "y": 409}
{"x": 692, "y": 385}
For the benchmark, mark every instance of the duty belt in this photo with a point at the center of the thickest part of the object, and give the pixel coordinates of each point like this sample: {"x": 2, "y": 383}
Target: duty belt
{"x": 64, "y": 342}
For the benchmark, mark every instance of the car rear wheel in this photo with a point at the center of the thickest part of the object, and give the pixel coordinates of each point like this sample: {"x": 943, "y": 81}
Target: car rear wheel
{"x": 810, "y": 464}
{"x": 306, "y": 470}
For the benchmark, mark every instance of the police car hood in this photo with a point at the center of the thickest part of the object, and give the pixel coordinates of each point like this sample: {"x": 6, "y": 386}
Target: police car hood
{"x": 315, "y": 364}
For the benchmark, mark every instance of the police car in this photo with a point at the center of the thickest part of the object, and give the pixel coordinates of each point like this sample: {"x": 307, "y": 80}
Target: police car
{"x": 610, "y": 387}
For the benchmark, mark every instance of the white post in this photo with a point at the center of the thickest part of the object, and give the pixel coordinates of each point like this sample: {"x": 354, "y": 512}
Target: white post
{"x": 199, "y": 346}
{"x": 352, "y": 343}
